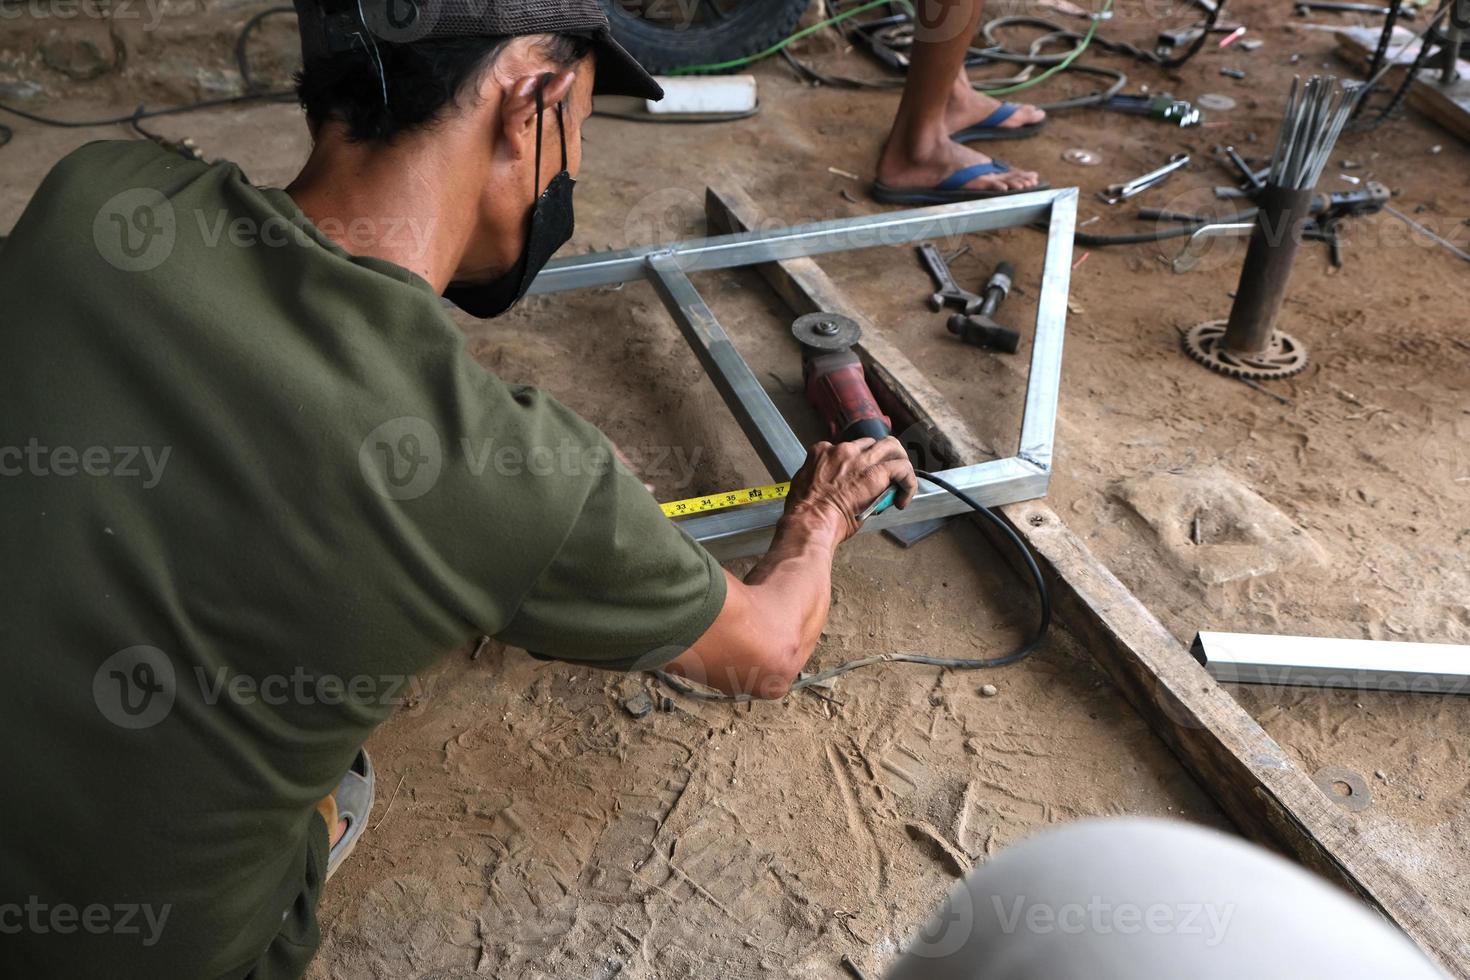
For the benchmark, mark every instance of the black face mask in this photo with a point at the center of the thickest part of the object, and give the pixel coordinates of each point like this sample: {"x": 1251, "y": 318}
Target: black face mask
{"x": 552, "y": 225}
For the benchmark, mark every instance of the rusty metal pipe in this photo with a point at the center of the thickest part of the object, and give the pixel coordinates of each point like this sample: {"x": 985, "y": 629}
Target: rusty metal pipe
{"x": 1268, "y": 262}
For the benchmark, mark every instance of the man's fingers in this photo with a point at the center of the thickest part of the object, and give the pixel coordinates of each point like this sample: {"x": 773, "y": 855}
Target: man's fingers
{"x": 892, "y": 460}
{"x": 882, "y": 452}
{"x": 908, "y": 484}
{"x": 900, "y": 474}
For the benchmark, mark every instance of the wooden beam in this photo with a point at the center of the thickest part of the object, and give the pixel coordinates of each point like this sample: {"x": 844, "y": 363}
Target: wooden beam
{"x": 1251, "y": 777}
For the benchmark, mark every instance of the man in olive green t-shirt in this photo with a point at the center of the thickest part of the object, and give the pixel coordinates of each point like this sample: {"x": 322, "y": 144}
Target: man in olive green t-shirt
{"x": 251, "y": 482}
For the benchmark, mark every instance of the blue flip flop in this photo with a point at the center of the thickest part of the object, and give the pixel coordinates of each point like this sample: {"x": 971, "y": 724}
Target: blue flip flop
{"x": 992, "y": 128}
{"x": 952, "y": 189}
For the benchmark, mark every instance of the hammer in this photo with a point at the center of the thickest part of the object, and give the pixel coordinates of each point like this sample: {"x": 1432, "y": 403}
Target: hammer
{"x": 981, "y": 330}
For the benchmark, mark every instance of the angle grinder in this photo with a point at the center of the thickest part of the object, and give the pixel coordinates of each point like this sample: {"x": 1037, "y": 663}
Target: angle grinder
{"x": 837, "y": 386}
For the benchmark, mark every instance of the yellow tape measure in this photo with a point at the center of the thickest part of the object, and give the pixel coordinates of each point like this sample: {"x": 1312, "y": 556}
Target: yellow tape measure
{"x": 724, "y": 501}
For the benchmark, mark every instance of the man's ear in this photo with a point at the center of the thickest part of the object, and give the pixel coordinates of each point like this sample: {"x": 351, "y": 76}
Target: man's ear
{"x": 518, "y": 107}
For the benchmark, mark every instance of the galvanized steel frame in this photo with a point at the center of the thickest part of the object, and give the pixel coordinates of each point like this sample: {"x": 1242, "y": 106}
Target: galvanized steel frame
{"x": 747, "y": 530}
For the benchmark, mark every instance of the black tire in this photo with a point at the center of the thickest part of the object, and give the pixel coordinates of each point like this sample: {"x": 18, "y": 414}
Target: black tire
{"x": 668, "y": 34}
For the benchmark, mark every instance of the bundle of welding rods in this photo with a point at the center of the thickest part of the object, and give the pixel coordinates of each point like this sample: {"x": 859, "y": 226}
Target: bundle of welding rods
{"x": 1315, "y": 115}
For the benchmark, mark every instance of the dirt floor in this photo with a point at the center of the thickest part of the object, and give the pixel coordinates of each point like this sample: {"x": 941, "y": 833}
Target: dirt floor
{"x": 528, "y": 827}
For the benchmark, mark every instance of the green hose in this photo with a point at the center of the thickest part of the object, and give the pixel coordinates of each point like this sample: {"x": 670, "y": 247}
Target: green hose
{"x": 781, "y": 45}
{"x": 1062, "y": 65}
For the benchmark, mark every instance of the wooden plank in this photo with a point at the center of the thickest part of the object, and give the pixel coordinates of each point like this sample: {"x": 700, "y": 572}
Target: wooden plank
{"x": 1249, "y": 775}
{"x": 1252, "y": 778}
{"x": 1447, "y": 105}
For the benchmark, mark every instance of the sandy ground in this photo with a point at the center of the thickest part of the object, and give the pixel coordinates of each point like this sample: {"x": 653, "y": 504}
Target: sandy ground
{"x": 528, "y": 827}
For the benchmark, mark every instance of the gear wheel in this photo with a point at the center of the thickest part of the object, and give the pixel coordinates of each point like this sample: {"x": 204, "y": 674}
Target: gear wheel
{"x": 1284, "y": 357}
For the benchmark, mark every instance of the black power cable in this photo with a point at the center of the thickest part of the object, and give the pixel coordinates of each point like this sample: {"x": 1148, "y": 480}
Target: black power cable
{"x": 253, "y": 93}
{"x": 1380, "y": 54}
{"x": 1365, "y": 125}
{"x": 996, "y": 51}
{"x": 242, "y": 56}
{"x": 1043, "y": 595}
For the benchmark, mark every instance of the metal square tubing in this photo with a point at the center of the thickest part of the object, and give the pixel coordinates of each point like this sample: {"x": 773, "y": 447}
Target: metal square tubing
{"x": 842, "y": 235}
{"x": 763, "y": 423}
{"x": 748, "y": 530}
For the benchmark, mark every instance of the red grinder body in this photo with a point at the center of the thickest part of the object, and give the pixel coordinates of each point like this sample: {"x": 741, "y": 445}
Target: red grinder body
{"x": 837, "y": 387}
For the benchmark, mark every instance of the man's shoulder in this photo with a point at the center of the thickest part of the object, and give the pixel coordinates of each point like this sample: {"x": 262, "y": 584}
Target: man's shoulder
{"x": 101, "y": 168}
{"x": 87, "y": 187}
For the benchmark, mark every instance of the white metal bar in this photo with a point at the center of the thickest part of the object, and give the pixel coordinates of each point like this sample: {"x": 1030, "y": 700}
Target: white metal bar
{"x": 1044, "y": 387}
{"x": 842, "y": 235}
{"x": 1309, "y": 661}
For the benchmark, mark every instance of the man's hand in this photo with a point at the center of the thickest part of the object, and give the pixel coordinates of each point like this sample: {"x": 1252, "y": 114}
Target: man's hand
{"x": 839, "y": 482}
{"x": 771, "y": 622}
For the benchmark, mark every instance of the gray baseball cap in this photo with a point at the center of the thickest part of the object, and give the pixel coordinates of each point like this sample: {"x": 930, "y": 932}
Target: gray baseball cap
{"x": 334, "y": 26}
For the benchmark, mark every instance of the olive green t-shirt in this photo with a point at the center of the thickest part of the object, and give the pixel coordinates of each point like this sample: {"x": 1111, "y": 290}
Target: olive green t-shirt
{"x": 249, "y": 486}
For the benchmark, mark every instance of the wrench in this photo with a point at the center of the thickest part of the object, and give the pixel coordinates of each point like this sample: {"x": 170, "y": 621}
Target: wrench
{"x": 1118, "y": 193}
{"x": 950, "y": 294}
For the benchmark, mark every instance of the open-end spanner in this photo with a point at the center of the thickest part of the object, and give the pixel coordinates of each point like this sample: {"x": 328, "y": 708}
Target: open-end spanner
{"x": 949, "y": 294}
{"x": 1118, "y": 193}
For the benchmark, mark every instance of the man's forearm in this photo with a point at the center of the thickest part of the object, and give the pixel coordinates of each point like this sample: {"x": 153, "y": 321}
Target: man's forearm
{"x": 772, "y": 620}
{"x": 793, "y": 582}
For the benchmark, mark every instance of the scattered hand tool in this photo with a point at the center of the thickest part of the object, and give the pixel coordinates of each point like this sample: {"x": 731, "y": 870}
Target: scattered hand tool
{"x": 949, "y": 294}
{"x": 1304, "y": 7}
{"x": 1164, "y": 107}
{"x": 1256, "y": 181}
{"x": 981, "y": 330}
{"x": 1118, "y": 193}
{"x": 837, "y": 386}
{"x": 1179, "y": 37}
{"x": 1326, "y": 209}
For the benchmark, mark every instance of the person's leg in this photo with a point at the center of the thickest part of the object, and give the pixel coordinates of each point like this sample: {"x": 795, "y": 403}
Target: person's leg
{"x": 1127, "y": 899}
{"x": 966, "y": 107}
{"x": 919, "y": 152}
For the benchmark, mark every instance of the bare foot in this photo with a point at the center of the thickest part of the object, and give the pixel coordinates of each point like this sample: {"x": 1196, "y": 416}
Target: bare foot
{"x": 930, "y": 164}
{"x": 339, "y": 832}
{"x": 967, "y": 107}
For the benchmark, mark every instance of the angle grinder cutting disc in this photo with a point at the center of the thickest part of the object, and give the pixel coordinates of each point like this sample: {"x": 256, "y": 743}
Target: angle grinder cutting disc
{"x": 826, "y": 333}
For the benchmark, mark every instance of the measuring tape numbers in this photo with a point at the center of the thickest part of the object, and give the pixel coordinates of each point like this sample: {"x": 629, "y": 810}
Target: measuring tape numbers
{"x": 724, "y": 501}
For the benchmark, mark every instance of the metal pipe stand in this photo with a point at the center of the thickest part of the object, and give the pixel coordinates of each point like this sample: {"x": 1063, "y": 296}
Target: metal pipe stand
{"x": 1248, "y": 345}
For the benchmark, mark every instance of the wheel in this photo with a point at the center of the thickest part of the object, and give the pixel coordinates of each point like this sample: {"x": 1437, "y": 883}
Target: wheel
{"x": 668, "y": 34}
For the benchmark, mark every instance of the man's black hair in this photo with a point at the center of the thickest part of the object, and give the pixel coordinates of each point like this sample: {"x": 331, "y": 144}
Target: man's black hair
{"x": 424, "y": 80}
